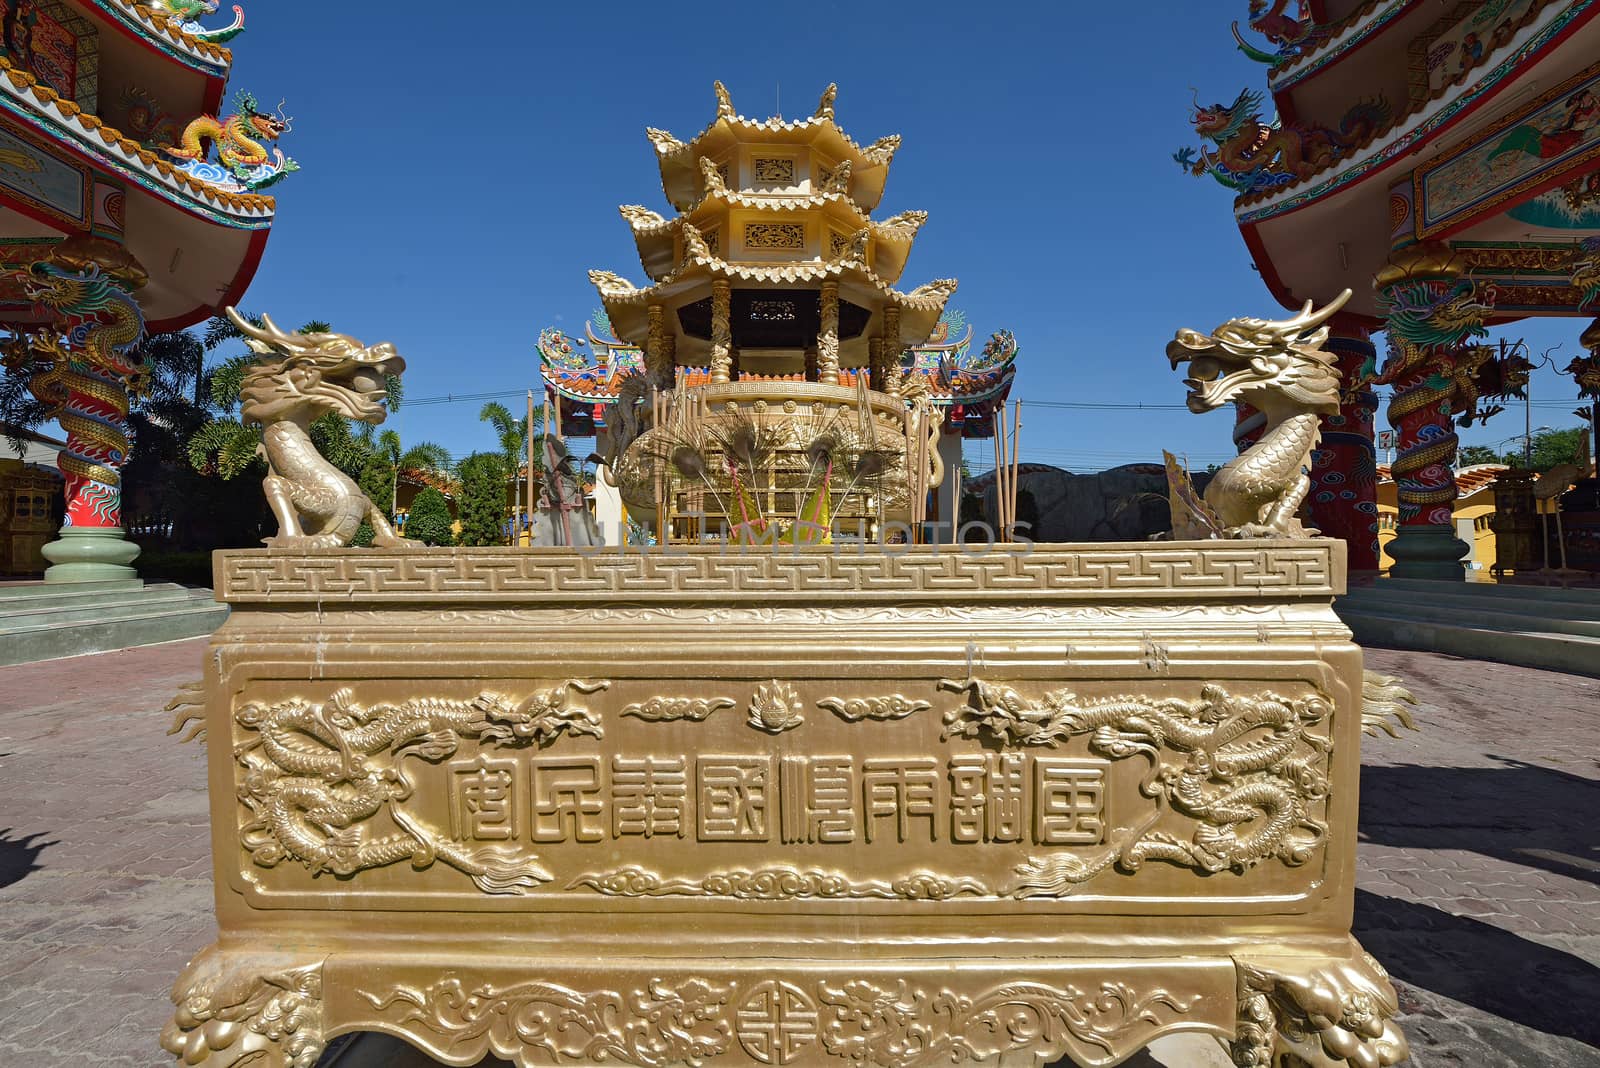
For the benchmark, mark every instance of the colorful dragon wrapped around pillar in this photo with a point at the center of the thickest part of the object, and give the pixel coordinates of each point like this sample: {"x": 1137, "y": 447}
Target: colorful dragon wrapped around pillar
{"x": 243, "y": 161}
{"x": 85, "y": 379}
{"x": 1585, "y": 370}
{"x": 1251, "y": 155}
{"x": 187, "y": 14}
{"x": 1433, "y": 370}
{"x": 1586, "y": 272}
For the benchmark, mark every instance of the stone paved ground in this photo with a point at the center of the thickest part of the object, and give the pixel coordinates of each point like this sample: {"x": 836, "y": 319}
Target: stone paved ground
{"x": 1480, "y": 861}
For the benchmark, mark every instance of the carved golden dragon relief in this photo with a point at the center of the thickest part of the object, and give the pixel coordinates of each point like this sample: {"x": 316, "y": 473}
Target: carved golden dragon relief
{"x": 317, "y": 505}
{"x": 315, "y": 774}
{"x": 1251, "y": 771}
{"x": 1280, "y": 369}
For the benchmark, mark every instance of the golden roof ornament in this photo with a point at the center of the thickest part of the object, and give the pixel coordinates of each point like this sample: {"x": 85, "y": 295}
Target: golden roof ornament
{"x": 1590, "y": 338}
{"x": 724, "y": 102}
{"x": 825, "y": 105}
{"x": 1429, "y": 261}
{"x": 712, "y": 176}
{"x": 638, "y": 215}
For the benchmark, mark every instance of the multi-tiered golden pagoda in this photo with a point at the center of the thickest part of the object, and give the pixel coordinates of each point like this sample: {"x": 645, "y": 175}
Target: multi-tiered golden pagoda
{"x": 773, "y": 319}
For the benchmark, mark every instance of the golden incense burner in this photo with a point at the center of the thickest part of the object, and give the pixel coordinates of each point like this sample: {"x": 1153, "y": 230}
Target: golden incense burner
{"x": 893, "y": 805}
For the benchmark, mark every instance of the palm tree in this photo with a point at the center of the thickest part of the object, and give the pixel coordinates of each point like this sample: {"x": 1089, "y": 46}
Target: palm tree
{"x": 513, "y": 436}
{"x": 175, "y": 368}
{"x": 424, "y": 456}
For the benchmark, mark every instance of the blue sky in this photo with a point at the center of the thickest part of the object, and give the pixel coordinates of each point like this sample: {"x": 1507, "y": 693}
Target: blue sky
{"x": 463, "y": 167}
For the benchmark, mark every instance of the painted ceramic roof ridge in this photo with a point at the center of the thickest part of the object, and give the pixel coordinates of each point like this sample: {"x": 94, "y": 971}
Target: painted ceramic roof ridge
{"x": 594, "y": 384}
{"x": 166, "y": 33}
{"x": 1354, "y": 29}
{"x": 104, "y": 143}
{"x": 1406, "y": 127}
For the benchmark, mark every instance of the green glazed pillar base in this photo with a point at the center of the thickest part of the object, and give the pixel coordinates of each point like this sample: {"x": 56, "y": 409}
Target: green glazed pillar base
{"x": 90, "y": 554}
{"x": 1428, "y": 552}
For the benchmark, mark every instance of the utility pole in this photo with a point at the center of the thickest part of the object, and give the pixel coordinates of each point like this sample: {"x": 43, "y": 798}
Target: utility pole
{"x": 530, "y": 467}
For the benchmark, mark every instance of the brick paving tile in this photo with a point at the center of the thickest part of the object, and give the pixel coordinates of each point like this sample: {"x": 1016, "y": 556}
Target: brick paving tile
{"x": 1479, "y": 861}
{"x": 1479, "y": 864}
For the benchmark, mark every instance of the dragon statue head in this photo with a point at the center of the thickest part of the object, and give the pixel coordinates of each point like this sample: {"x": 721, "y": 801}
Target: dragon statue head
{"x": 264, "y": 124}
{"x": 313, "y": 374}
{"x": 1220, "y": 122}
{"x": 1262, "y": 362}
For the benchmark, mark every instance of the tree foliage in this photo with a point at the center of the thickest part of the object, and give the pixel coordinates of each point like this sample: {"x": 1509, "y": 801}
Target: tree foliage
{"x": 483, "y": 499}
{"x": 429, "y": 520}
{"x": 1548, "y": 449}
{"x": 1476, "y": 454}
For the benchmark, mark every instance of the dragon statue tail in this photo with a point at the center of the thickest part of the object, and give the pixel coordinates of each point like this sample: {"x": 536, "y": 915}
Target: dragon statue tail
{"x": 1260, "y": 55}
{"x": 221, "y": 34}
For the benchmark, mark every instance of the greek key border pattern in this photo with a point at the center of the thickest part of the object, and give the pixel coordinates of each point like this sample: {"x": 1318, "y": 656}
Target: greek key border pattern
{"x": 1178, "y": 571}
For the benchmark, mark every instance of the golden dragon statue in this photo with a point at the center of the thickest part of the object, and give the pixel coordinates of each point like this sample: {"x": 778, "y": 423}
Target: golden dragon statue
{"x": 317, "y": 505}
{"x": 1280, "y": 369}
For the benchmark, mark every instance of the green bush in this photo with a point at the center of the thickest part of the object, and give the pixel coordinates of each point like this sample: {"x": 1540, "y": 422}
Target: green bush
{"x": 429, "y": 521}
{"x": 483, "y": 499}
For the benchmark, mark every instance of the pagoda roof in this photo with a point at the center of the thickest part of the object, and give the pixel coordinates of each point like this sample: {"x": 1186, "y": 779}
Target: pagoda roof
{"x": 627, "y": 304}
{"x": 657, "y": 236}
{"x": 164, "y": 33}
{"x": 682, "y": 179}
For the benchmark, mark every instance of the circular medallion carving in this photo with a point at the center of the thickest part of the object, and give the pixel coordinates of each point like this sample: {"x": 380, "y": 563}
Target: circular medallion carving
{"x": 776, "y": 1021}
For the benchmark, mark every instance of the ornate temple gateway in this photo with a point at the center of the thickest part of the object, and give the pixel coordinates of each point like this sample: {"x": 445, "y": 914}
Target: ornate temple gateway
{"x": 114, "y": 221}
{"x": 802, "y": 793}
{"x": 1443, "y": 161}
{"x": 774, "y": 275}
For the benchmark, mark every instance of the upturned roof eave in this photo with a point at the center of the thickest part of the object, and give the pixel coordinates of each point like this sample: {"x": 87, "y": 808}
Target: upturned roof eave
{"x": 1427, "y": 120}
{"x": 1357, "y": 30}
{"x": 165, "y": 35}
{"x": 116, "y": 155}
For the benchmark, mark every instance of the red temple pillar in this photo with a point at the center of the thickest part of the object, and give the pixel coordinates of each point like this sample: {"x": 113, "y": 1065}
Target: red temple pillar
{"x": 1344, "y": 468}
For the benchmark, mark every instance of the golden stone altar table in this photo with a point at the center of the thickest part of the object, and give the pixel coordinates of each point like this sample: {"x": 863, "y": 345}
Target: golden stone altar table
{"x": 829, "y": 806}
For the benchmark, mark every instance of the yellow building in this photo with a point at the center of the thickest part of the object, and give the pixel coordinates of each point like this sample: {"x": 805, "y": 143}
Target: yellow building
{"x": 1470, "y": 515}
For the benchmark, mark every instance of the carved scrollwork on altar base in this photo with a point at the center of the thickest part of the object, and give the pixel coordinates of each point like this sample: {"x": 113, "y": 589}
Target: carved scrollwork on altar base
{"x": 865, "y": 1020}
